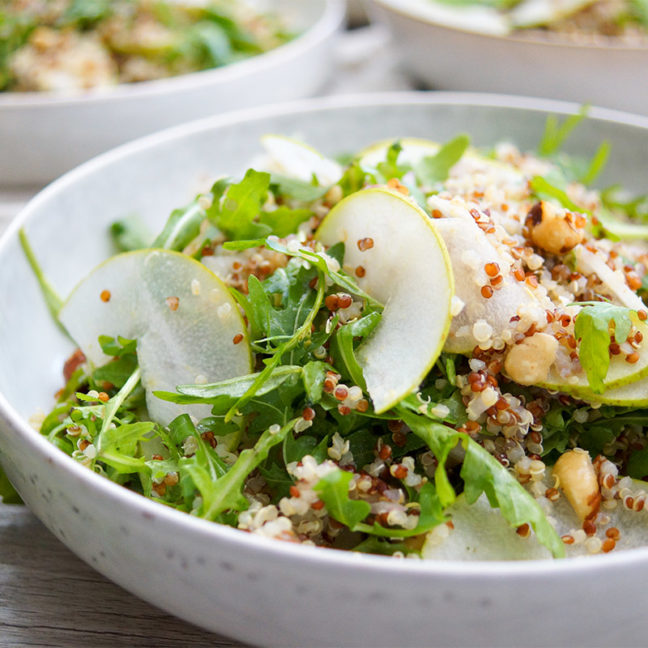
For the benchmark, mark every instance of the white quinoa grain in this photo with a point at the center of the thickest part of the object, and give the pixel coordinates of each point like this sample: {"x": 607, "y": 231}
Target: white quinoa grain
{"x": 482, "y": 330}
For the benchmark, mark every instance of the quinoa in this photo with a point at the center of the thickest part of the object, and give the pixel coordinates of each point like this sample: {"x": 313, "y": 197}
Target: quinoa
{"x": 67, "y": 46}
{"x": 513, "y": 393}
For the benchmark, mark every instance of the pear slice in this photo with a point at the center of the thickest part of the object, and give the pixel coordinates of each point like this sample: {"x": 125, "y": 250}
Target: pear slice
{"x": 470, "y": 250}
{"x": 620, "y": 373}
{"x": 187, "y": 325}
{"x": 634, "y": 394}
{"x": 621, "y": 229}
{"x": 481, "y": 533}
{"x": 466, "y": 17}
{"x": 537, "y": 13}
{"x": 295, "y": 159}
{"x": 588, "y": 262}
{"x": 408, "y": 270}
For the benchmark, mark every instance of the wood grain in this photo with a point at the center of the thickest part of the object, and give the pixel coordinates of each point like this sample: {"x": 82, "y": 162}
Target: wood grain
{"x": 48, "y": 597}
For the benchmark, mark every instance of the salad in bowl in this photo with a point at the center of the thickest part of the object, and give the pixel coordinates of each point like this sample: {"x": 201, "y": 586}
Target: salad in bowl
{"x": 422, "y": 350}
{"x": 593, "y": 22}
{"x": 76, "y": 45}
{"x": 587, "y": 52}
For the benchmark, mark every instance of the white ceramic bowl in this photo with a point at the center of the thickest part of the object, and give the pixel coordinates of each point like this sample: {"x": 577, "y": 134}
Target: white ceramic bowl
{"x": 43, "y": 135}
{"x": 455, "y": 58}
{"x": 263, "y": 591}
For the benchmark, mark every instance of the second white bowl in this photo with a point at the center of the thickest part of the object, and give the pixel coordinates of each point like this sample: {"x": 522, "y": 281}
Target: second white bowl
{"x": 460, "y": 58}
{"x": 44, "y": 135}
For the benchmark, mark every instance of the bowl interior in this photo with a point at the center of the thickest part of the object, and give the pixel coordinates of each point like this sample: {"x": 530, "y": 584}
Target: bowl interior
{"x": 225, "y": 580}
{"x": 67, "y": 224}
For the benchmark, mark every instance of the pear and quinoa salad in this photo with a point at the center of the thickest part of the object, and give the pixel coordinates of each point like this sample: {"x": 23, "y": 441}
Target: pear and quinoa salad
{"x": 424, "y": 351}
{"x": 75, "y": 45}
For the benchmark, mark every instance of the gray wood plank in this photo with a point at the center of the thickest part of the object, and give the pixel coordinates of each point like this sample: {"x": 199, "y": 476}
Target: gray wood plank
{"x": 48, "y": 597}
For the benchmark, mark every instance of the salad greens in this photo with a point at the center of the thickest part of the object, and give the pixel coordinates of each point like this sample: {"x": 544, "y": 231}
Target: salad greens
{"x": 295, "y": 449}
{"x": 42, "y": 44}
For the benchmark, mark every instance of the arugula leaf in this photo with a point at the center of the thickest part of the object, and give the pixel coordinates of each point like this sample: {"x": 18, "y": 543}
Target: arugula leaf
{"x": 119, "y": 446}
{"x": 182, "y": 227}
{"x": 638, "y": 464}
{"x": 296, "y": 189}
{"x": 343, "y": 344}
{"x": 544, "y": 190}
{"x": 202, "y": 471}
{"x": 235, "y": 213}
{"x": 86, "y": 13}
{"x": 640, "y": 11}
{"x": 433, "y": 169}
{"x": 226, "y": 492}
{"x": 295, "y": 449}
{"x": 124, "y": 363}
{"x": 129, "y": 234}
{"x": 117, "y": 347}
{"x": 125, "y": 437}
{"x": 333, "y": 490}
{"x": 52, "y": 299}
{"x": 357, "y": 176}
{"x": 232, "y": 388}
{"x": 283, "y": 220}
{"x": 381, "y": 547}
{"x": 390, "y": 168}
{"x": 555, "y": 133}
{"x": 617, "y": 229}
{"x": 597, "y": 163}
{"x": 116, "y": 372}
{"x": 339, "y": 278}
{"x": 8, "y": 494}
{"x": 592, "y": 328}
{"x": 112, "y": 407}
{"x": 482, "y": 473}
{"x": 431, "y": 515}
{"x": 210, "y": 44}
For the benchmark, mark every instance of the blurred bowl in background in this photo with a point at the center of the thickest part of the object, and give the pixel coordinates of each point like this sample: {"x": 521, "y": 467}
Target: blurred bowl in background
{"x": 43, "y": 135}
{"x": 451, "y": 49}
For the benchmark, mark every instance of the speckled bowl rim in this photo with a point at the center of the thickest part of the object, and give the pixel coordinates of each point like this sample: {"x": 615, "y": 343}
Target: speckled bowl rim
{"x": 613, "y": 45}
{"x": 305, "y": 555}
{"x": 331, "y": 18}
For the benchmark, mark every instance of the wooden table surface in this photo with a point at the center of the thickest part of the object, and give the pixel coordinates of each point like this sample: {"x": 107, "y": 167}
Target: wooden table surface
{"x": 48, "y": 597}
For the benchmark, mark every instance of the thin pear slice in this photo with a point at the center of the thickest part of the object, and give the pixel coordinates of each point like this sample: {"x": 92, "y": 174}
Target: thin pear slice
{"x": 474, "y": 18}
{"x": 620, "y": 373}
{"x": 588, "y": 262}
{"x": 298, "y": 160}
{"x": 415, "y": 149}
{"x": 481, "y": 533}
{"x": 407, "y": 269}
{"x": 536, "y": 13}
{"x": 634, "y": 394}
{"x": 621, "y": 229}
{"x": 187, "y": 326}
{"x": 470, "y": 250}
